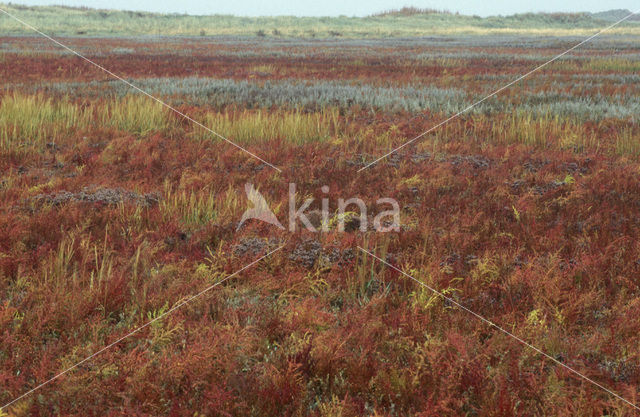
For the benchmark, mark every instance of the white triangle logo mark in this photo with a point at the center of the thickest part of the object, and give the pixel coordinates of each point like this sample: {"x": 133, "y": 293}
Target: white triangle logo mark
{"x": 260, "y": 210}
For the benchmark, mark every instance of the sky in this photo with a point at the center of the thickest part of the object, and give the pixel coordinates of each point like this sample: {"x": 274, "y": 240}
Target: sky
{"x": 343, "y": 7}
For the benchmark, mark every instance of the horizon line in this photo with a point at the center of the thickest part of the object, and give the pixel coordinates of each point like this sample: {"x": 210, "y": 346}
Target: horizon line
{"x": 379, "y": 14}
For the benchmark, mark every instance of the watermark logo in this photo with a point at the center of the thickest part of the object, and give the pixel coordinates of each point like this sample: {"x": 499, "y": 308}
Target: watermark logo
{"x": 351, "y": 213}
{"x": 260, "y": 210}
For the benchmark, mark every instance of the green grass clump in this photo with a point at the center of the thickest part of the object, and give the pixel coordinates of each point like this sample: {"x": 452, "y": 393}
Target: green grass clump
{"x": 32, "y": 121}
{"x": 136, "y": 114}
{"x": 191, "y": 207}
{"x": 258, "y": 126}
{"x": 29, "y": 120}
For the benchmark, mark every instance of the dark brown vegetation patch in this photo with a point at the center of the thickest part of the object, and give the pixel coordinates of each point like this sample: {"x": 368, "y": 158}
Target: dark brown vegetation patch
{"x": 108, "y": 196}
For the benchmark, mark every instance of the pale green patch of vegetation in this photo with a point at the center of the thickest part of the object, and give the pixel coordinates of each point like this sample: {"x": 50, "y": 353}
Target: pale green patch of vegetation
{"x": 136, "y": 114}
{"x": 83, "y": 21}
{"x": 29, "y": 120}
{"x": 194, "y": 208}
{"x": 627, "y": 143}
{"x": 257, "y": 126}
{"x": 286, "y": 93}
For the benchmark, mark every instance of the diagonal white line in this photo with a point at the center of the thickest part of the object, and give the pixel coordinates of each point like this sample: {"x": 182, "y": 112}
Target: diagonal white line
{"x": 135, "y": 87}
{"x": 471, "y": 106}
{"x": 171, "y": 310}
{"x": 492, "y": 324}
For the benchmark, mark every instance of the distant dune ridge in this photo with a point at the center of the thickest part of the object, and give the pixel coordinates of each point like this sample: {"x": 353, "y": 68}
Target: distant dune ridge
{"x": 615, "y": 15}
{"x": 404, "y": 22}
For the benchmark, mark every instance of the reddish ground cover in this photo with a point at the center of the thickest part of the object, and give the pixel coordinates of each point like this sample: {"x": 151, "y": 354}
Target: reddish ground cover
{"x": 103, "y": 230}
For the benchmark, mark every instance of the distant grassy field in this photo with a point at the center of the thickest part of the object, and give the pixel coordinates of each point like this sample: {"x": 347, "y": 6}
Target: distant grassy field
{"x": 82, "y": 21}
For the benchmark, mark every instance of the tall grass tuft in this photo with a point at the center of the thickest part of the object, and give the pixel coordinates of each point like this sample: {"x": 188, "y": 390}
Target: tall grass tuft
{"x": 542, "y": 131}
{"x": 627, "y": 143}
{"x": 31, "y": 120}
{"x": 136, "y": 114}
{"x": 193, "y": 208}
{"x": 257, "y": 126}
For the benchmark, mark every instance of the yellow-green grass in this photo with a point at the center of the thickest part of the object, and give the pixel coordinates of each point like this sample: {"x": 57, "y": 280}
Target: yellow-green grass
{"x": 192, "y": 207}
{"x": 27, "y": 120}
{"x": 545, "y": 131}
{"x": 628, "y": 142}
{"x": 31, "y": 121}
{"x": 136, "y": 114}
{"x": 195, "y": 208}
{"x": 248, "y": 126}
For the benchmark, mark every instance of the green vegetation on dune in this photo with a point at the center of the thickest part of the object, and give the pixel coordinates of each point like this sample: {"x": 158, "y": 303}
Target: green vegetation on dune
{"x": 83, "y": 21}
